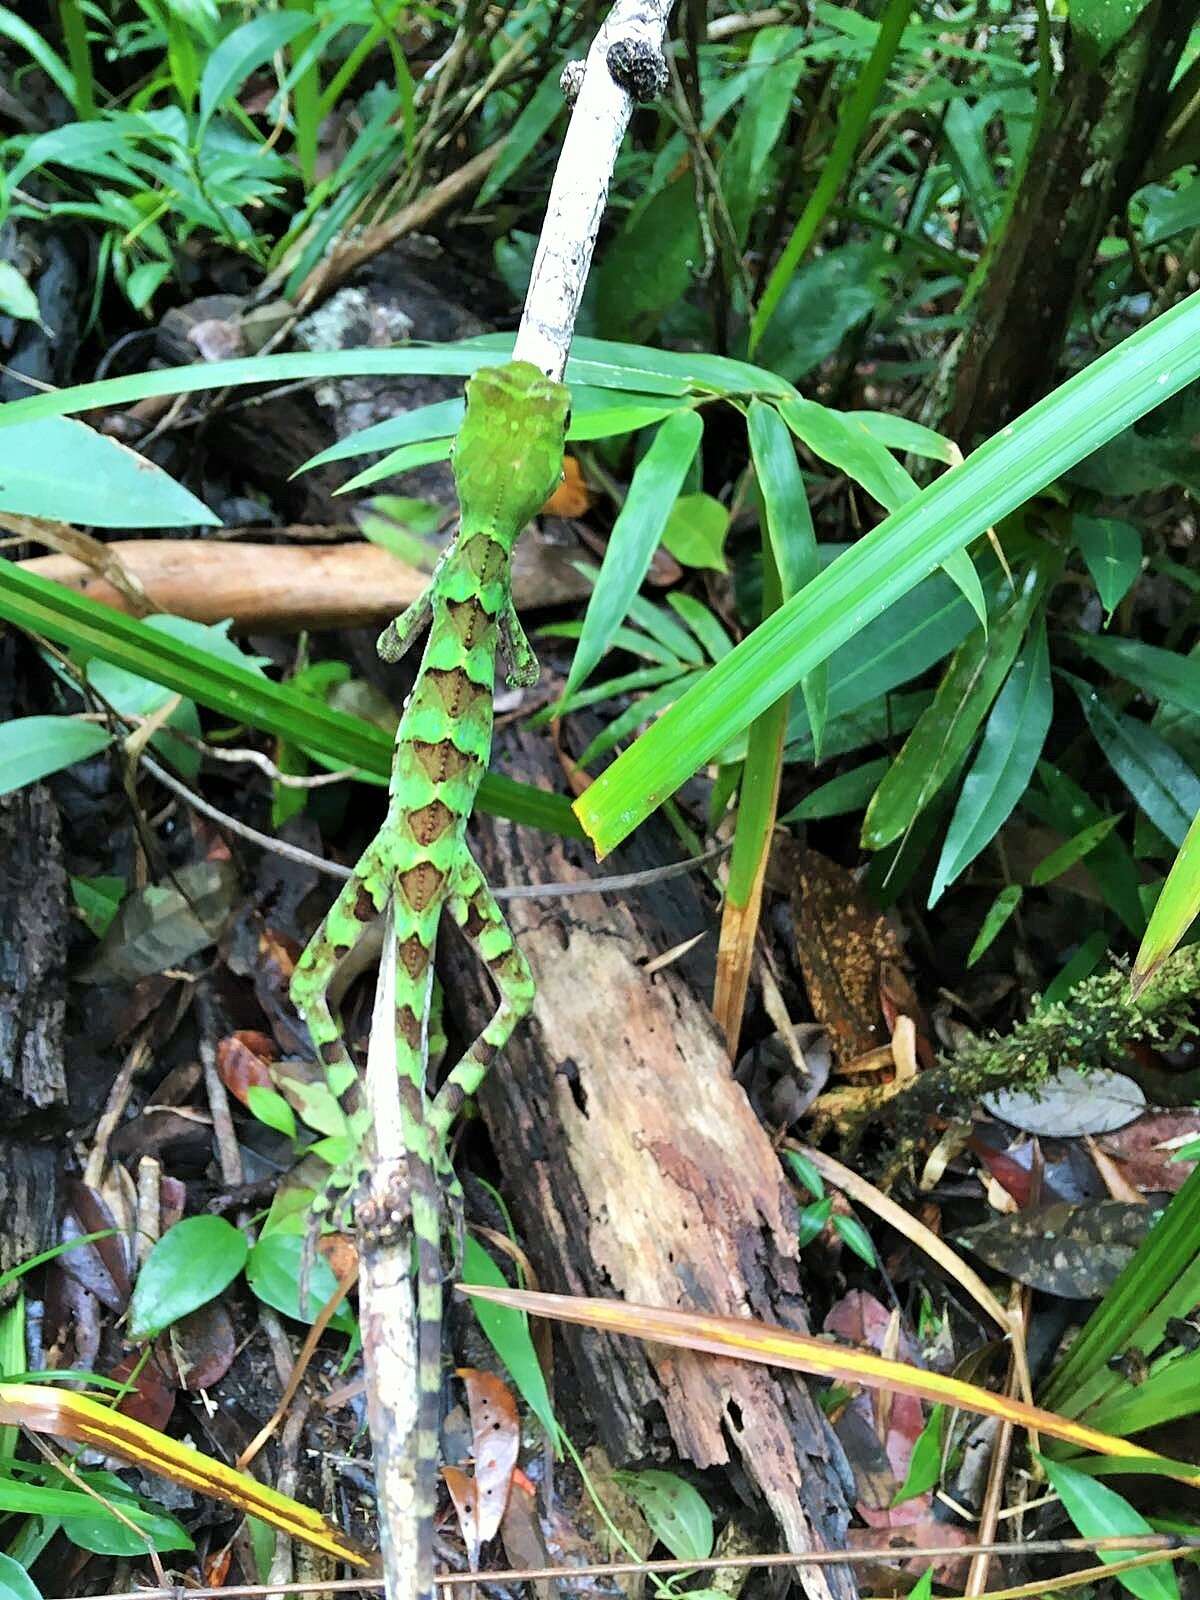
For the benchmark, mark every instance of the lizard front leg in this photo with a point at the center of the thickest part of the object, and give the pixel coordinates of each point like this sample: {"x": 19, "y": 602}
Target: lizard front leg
{"x": 475, "y": 909}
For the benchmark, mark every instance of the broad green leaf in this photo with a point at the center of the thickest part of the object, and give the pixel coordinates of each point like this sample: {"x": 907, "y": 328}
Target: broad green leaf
{"x": 1008, "y": 753}
{"x": 102, "y": 1532}
{"x": 1001, "y": 908}
{"x": 1113, "y": 552}
{"x": 806, "y": 1172}
{"x": 1157, "y": 777}
{"x": 32, "y": 747}
{"x": 188, "y": 1266}
{"x": 1075, "y": 849}
{"x": 272, "y": 1109}
{"x": 790, "y": 530}
{"x": 695, "y": 531}
{"x": 676, "y": 1512}
{"x": 1170, "y": 211}
{"x": 243, "y": 51}
{"x": 15, "y": 1582}
{"x": 1165, "y": 674}
{"x": 60, "y": 469}
{"x": 649, "y": 265}
{"x": 1066, "y": 808}
{"x": 98, "y": 900}
{"x": 1101, "y": 25}
{"x": 855, "y": 1237}
{"x": 656, "y": 483}
{"x": 944, "y": 733}
{"x": 849, "y": 791}
{"x": 1100, "y": 1513}
{"x": 507, "y": 1332}
{"x": 1125, "y": 383}
{"x": 1174, "y": 912}
{"x": 825, "y": 300}
{"x": 273, "y": 1273}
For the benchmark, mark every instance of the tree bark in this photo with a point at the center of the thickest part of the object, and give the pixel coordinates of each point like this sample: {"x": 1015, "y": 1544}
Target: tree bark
{"x": 637, "y": 1168}
{"x": 1098, "y": 131}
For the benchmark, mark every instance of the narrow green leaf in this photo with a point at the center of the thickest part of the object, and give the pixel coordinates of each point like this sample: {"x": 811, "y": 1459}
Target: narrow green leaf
{"x": 1155, "y": 774}
{"x": 852, "y": 1234}
{"x": 847, "y": 445}
{"x": 1174, "y": 912}
{"x": 244, "y": 50}
{"x": 900, "y": 433}
{"x": 437, "y": 421}
{"x": 507, "y": 1332}
{"x": 32, "y": 747}
{"x": 1099, "y": 1512}
{"x": 1008, "y": 753}
{"x": 97, "y": 899}
{"x": 1001, "y": 908}
{"x": 1113, "y": 552}
{"x": 1102, "y": 24}
{"x": 806, "y": 1172}
{"x": 271, "y": 1109}
{"x": 543, "y": 106}
{"x": 1075, "y": 849}
{"x": 961, "y": 570}
{"x": 789, "y": 528}
{"x": 235, "y": 690}
{"x": 404, "y": 459}
{"x": 657, "y": 480}
{"x": 188, "y": 1266}
{"x": 812, "y": 1221}
{"x": 925, "y": 1463}
{"x": 849, "y": 791}
{"x": 1125, "y": 383}
{"x": 707, "y": 627}
{"x": 17, "y": 299}
{"x": 944, "y": 733}
{"x": 1164, "y": 674}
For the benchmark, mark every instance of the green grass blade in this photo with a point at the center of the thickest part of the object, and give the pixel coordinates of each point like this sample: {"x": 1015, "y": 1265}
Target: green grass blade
{"x": 1002, "y": 474}
{"x": 1153, "y": 771}
{"x": 1008, "y": 754}
{"x": 656, "y": 483}
{"x": 1176, "y": 909}
{"x": 53, "y": 612}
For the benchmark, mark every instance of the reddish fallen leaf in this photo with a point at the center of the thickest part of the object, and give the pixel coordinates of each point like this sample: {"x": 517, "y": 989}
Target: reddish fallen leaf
{"x": 1015, "y": 1179}
{"x": 172, "y": 1201}
{"x": 151, "y": 1400}
{"x": 950, "y": 1569}
{"x": 242, "y": 1062}
{"x": 896, "y": 1416}
{"x": 101, "y": 1267}
{"x": 201, "y": 1346}
{"x": 466, "y": 1508}
{"x": 216, "y": 1567}
{"x": 1145, "y": 1147}
{"x": 497, "y": 1443}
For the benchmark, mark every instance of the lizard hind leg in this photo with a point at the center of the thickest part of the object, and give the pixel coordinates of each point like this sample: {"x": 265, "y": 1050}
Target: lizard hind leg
{"x": 478, "y": 914}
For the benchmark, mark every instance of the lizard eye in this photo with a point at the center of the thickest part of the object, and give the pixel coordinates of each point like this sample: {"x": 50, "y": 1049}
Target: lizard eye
{"x": 567, "y": 421}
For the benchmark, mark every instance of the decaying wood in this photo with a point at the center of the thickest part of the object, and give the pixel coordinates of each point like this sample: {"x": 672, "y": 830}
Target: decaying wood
{"x": 33, "y": 923}
{"x": 283, "y": 588}
{"x": 637, "y": 1167}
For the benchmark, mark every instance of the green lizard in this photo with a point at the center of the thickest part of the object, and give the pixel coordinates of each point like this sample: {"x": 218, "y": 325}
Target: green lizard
{"x": 507, "y": 461}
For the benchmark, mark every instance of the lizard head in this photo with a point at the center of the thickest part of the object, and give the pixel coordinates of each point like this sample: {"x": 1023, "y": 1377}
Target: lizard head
{"x": 509, "y": 452}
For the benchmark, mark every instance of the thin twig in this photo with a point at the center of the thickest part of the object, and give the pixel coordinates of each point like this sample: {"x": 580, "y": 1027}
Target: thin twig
{"x": 617, "y": 884}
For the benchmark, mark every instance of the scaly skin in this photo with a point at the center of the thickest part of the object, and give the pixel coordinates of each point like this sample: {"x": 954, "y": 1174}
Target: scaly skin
{"x": 507, "y": 462}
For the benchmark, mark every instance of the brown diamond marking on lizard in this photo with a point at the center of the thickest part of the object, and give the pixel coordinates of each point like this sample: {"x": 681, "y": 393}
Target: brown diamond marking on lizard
{"x": 485, "y": 558}
{"x": 474, "y": 922}
{"x": 457, "y": 690}
{"x": 429, "y": 822}
{"x": 441, "y": 762}
{"x": 470, "y": 619}
{"x": 414, "y": 956}
{"x": 365, "y": 909}
{"x": 421, "y": 884}
{"x": 408, "y": 1026}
